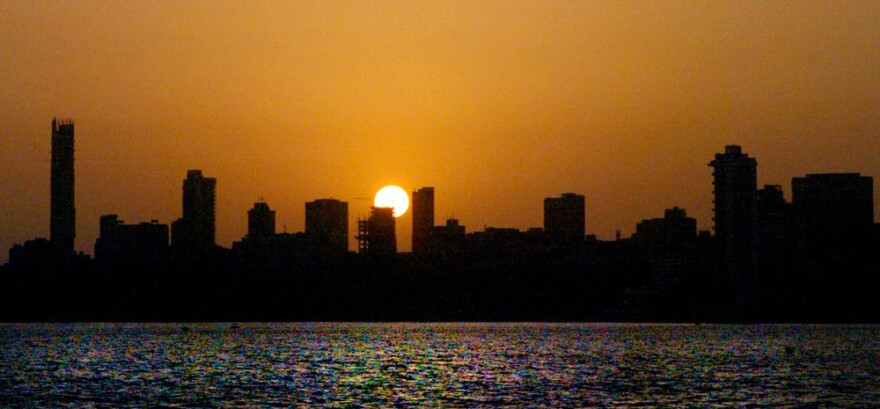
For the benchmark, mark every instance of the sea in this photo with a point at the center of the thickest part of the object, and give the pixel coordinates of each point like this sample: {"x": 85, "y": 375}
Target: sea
{"x": 444, "y": 365}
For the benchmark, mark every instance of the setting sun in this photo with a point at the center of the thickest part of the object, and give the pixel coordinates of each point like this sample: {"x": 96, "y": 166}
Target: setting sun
{"x": 392, "y": 196}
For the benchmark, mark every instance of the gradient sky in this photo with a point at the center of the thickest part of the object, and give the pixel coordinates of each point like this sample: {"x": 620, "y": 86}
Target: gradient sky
{"x": 497, "y": 104}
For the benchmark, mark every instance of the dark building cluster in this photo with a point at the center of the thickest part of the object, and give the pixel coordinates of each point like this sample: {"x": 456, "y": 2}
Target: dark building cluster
{"x": 815, "y": 258}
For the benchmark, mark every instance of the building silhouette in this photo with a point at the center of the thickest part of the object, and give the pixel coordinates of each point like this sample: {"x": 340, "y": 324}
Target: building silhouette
{"x": 777, "y": 250}
{"x": 774, "y": 216}
{"x": 564, "y": 220}
{"x": 62, "y": 226}
{"x": 278, "y": 251}
{"x": 196, "y": 229}
{"x": 835, "y": 214}
{"x": 261, "y": 221}
{"x": 735, "y": 206}
{"x": 327, "y": 223}
{"x": 671, "y": 246}
{"x": 674, "y": 228}
{"x": 262, "y": 250}
{"x": 776, "y": 221}
{"x": 836, "y": 206}
{"x": 142, "y": 242}
{"x": 377, "y": 234}
{"x": 505, "y": 242}
{"x": 447, "y": 241}
{"x": 423, "y": 219}
{"x": 38, "y": 252}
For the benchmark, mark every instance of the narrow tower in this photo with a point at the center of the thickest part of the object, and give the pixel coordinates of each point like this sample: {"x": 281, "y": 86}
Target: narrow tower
{"x": 423, "y": 218}
{"x": 736, "y": 192}
{"x": 62, "y": 223}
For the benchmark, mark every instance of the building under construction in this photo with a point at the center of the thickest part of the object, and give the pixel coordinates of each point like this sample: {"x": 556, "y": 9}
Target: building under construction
{"x": 376, "y": 234}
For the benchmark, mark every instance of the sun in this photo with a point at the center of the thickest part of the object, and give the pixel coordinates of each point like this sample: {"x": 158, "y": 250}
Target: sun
{"x": 392, "y": 196}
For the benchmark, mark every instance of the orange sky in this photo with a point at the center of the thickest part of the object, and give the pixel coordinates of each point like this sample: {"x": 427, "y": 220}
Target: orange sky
{"x": 497, "y": 104}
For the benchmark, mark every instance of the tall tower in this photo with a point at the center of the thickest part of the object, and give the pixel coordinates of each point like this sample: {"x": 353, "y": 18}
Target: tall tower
{"x": 196, "y": 229}
{"x": 423, "y": 218}
{"x": 564, "y": 219}
{"x": 736, "y": 186}
{"x": 62, "y": 224}
{"x": 261, "y": 221}
{"x": 327, "y": 222}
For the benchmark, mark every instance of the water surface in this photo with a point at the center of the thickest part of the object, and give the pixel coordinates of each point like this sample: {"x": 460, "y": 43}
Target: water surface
{"x": 438, "y": 365}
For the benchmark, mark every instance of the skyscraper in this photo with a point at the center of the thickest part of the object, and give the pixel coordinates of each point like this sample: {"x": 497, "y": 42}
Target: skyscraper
{"x": 62, "y": 223}
{"x": 423, "y": 218}
{"x": 735, "y": 205}
{"x": 196, "y": 229}
{"x": 261, "y": 221}
{"x": 564, "y": 219}
{"x": 327, "y": 222}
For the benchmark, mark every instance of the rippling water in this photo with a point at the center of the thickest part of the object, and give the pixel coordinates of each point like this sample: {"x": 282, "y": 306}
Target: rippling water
{"x": 438, "y": 365}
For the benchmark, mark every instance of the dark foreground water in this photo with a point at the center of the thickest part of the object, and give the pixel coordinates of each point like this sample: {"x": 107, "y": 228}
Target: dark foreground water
{"x": 438, "y": 365}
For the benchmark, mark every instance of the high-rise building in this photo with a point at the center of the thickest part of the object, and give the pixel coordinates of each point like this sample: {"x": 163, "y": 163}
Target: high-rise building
{"x": 423, "y": 218}
{"x": 62, "y": 226}
{"x": 327, "y": 222}
{"x": 377, "y": 235}
{"x": 834, "y": 209}
{"x": 564, "y": 219}
{"x": 196, "y": 229}
{"x": 735, "y": 205}
{"x": 261, "y": 221}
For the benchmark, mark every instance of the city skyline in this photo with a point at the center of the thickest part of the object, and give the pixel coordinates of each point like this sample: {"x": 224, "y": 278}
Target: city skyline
{"x": 736, "y": 204}
{"x": 554, "y": 203}
{"x": 813, "y": 258}
{"x": 621, "y": 103}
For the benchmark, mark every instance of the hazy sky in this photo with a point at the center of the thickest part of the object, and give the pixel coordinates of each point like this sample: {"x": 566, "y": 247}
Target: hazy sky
{"x": 497, "y": 104}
